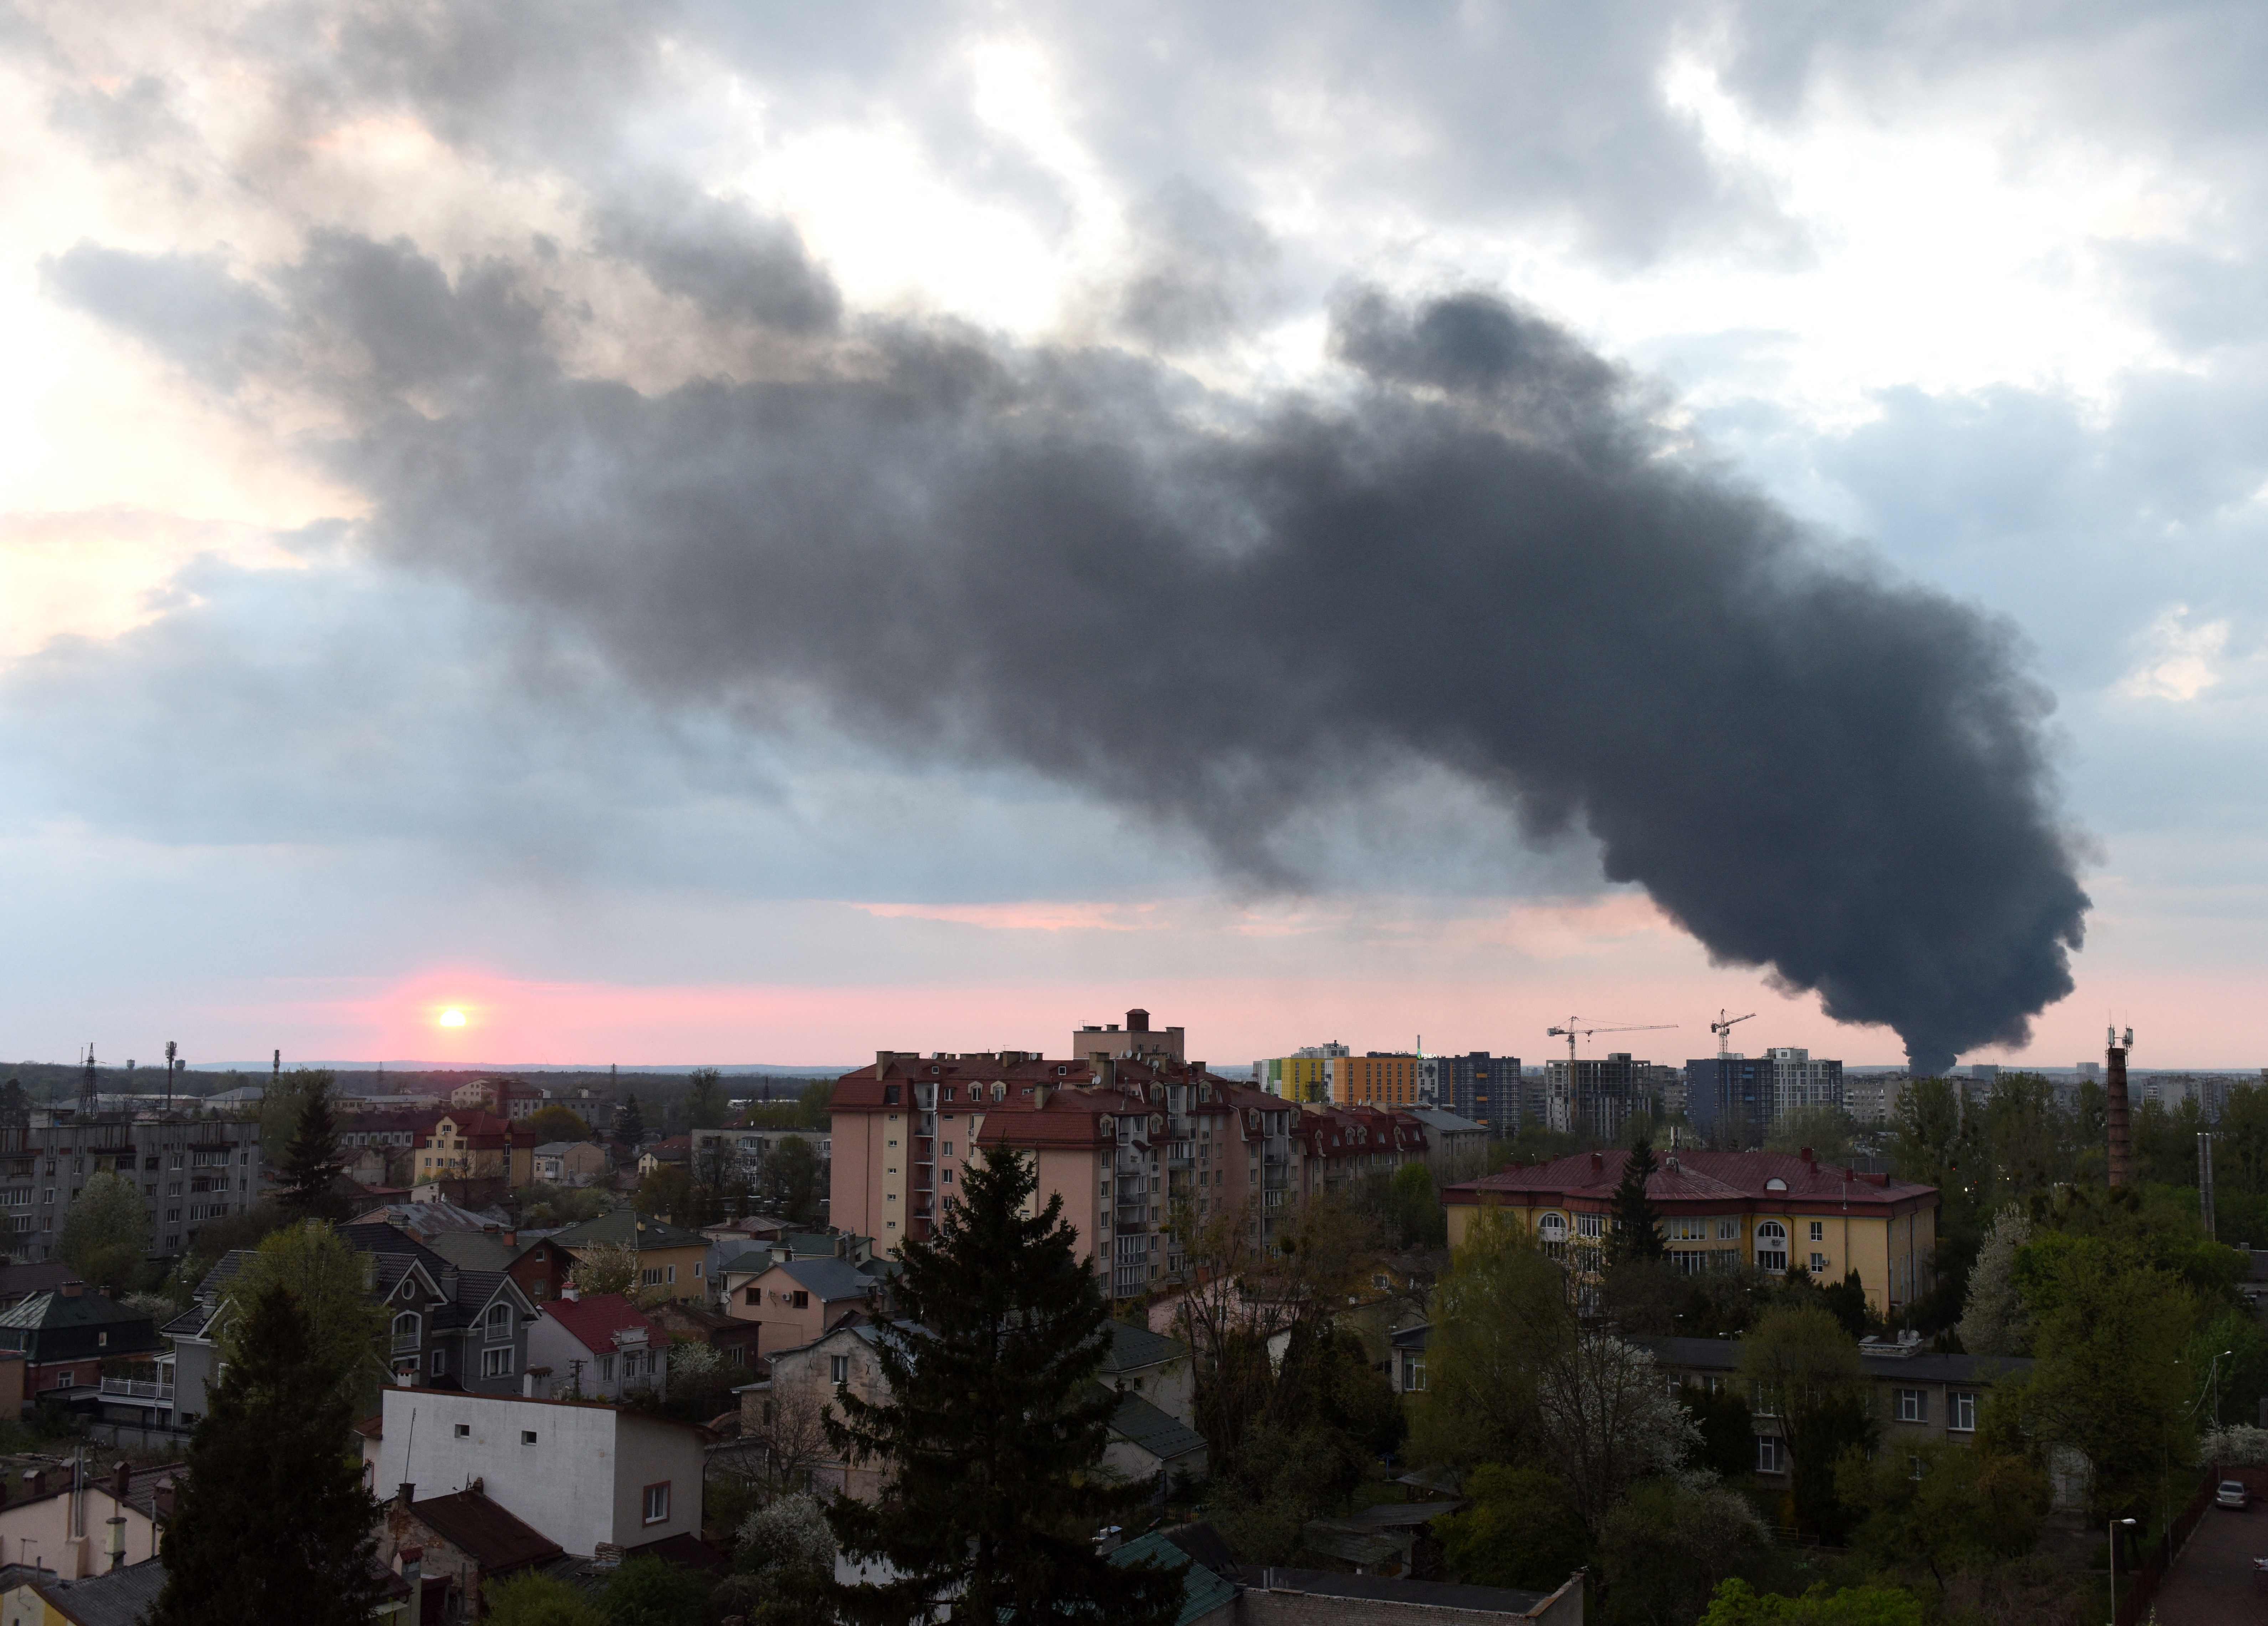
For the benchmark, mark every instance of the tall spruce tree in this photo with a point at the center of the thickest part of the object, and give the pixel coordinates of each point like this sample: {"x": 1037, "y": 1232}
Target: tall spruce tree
{"x": 992, "y": 1428}
{"x": 312, "y": 1162}
{"x": 1638, "y": 1228}
{"x": 629, "y": 1121}
{"x": 273, "y": 1522}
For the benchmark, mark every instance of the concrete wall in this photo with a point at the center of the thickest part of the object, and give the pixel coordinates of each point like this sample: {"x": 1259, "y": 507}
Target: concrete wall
{"x": 580, "y": 1481}
{"x": 47, "y": 1531}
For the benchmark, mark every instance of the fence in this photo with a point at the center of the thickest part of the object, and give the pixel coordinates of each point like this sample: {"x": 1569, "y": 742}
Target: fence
{"x": 2150, "y": 1574}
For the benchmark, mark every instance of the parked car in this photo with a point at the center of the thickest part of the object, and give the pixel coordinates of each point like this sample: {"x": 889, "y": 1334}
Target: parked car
{"x": 2233, "y": 1494}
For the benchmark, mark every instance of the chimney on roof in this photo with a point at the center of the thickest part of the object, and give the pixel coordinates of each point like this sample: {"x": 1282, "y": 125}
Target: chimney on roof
{"x": 121, "y": 1478}
{"x": 1040, "y": 1093}
{"x": 161, "y": 1498}
{"x": 73, "y": 1289}
{"x": 1138, "y": 1021}
{"x": 1598, "y": 1166}
{"x": 1806, "y": 1154}
{"x": 404, "y": 1494}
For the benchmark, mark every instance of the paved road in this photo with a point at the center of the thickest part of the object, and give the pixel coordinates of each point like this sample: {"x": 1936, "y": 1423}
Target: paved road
{"x": 2212, "y": 1584}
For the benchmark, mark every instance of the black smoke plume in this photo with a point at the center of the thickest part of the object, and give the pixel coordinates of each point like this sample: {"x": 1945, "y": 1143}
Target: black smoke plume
{"x": 1483, "y": 555}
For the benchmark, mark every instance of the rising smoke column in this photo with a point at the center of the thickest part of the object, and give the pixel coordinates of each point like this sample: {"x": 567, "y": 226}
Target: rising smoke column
{"x": 1482, "y": 555}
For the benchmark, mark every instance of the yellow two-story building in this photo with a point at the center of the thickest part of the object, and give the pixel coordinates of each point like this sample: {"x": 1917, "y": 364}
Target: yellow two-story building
{"x": 1726, "y": 1212}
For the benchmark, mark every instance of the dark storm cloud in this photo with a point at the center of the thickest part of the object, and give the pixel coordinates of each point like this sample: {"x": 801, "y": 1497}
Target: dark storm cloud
{"x": 186, "y": 305}
{"x": 730, "y": 261}
{"x": 1485, "y": 562}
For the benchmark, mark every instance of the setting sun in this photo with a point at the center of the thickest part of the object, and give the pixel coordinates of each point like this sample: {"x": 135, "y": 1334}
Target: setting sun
{"x": 452, "y": 1019}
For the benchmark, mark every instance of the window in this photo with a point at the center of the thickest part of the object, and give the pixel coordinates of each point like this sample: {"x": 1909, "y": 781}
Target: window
{"x": 799, "y": 1298}
{"x": 1913, "y": 1467}
{"x": 1819, "y": 1264}
{"x": 606, "y": 1369}
{"x": 946, "y": 1177}
{"x": 464, "y": 1430}
{"x": 438, "y": 1361}
{"x": 1552, "y": 1230}
{"x": 1818, "y": 1231}
{"x": 657, "y": 1503}
{"x": 496, "y": 1363}
{"x": 1413, "y": 1373}
{"x": 838, "y": 1368}
{"x": 696, "y": 1271}
{"x": 752, "y": 1295}
{"x": 499, "y": 1321}
{"x": 1962, "y": 1412}
{"x": 527, "y": 1437}
{"x": 405, "y": 1330}
{"x": 1913, "y": 1405}
{"x": 1587, "y": 1226}
{"x": 1763, "y": 1400}
{"x": 1768, "y": 1453}
{"x": 1771, "y": 1245}
{"x": 650, "y": 1276}
{"x": 669, "y": 1274}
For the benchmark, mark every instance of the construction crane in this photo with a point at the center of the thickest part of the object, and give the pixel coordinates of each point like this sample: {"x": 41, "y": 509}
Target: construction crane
{"x": 1572, "y": 1032}
{"x": 1723, "y": 1028}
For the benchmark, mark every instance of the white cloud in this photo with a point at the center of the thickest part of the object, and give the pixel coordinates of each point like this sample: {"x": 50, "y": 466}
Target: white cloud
{"x": 2183, "y": 658}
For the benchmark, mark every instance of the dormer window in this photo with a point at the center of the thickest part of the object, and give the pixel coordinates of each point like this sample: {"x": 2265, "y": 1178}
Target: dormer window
{"x": 499, "y": 1321}
{"x": 1775, "y": 1184}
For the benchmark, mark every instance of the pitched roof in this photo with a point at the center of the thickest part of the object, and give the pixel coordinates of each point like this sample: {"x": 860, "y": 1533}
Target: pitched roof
{"x": 1688, "y": 1175}
{"x": 120, "y": 1597}
{"x": 20, "y": 1281}
{"x": 1381, "y": 1589}
{"x": 755, "y": 1261}
{"x": 1724, "y": 1355}
{"x": 47, "y": 1312}
{"x": 1203, "y": 1594}
{"x": 830, "y": 1278}
{"x": 1164, "y": 1436}
{"x": 1445, "y": 1123}
{"x": 1132, "y": 1346}
{"x": 625, "y": 1226}
{"x": 474, "y": 1250}
{"x": 484, "y": 1531}
{"x": 593, "y": 1321}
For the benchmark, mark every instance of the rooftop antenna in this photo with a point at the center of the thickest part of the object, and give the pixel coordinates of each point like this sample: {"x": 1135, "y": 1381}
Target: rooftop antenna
{"x": 86, "y": 1085}
{"x": 172, "y": 1050}
{"x": 1723, "y": 1028}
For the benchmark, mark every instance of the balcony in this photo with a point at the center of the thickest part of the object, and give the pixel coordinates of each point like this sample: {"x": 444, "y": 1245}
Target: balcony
{"x": 136, "y": 1388}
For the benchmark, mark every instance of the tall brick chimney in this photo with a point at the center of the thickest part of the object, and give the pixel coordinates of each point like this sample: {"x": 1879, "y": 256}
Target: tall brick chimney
{"x": 2114, "y": 1115}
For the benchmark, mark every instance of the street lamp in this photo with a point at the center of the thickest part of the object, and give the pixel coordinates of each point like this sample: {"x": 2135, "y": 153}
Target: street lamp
{"x": 2113, "y": 1567}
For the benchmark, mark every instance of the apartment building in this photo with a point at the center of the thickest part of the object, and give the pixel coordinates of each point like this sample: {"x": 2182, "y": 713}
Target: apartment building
{"x": 472, "y": 1143}
{"x": 1600, "y": 1097}
{"x": 1138, "y": 1041}
{"x": 1303, "y": 1076}
{"x": 188, "y": 1170}
{"x": 1387, "y": 1079}
{"x": 1344, "y": 1145}
{"x": 1799, "y": 1080}
{"x": 1873, "y": 1097}
{"x": 1477, "y": 1086}
{"x": 1124, "y": 1142}
{"x": 1724, "y": 1211}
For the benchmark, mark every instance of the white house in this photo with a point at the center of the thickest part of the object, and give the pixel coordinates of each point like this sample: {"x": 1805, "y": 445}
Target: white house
{"x": 600, "y": 1347}
{"x": 583, "y": 1473}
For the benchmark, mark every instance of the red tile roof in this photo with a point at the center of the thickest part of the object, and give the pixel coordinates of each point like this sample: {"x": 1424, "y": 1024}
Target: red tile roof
{"x": 1687, "y": 1176}
{"x": 593, "y": 1321}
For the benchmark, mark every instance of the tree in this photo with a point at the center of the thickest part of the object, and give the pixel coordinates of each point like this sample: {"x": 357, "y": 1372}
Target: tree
{"x": 105, "y": 1232}
{"x": 992, "y": 1428}
{"x": 1499, "y": 1313}
{"x": 312, "y": 1162}
{"x": 605, "y": 1267}
{"x": 1638, "y": 1228}
{"x": 1413, "y": 1215}
{"x": 791, "y": 1430}
{"x": 646, "y": 1592}
{"x": 788, "y": 1182}
{"x": 629, "y": 1121}
{"x": 669, "y": 1191}
{"x": 1827, "y": 1130}
{"x": 345, "y": 1331}
{"x": 2110, "y": 1379}
{"x": 1517, "y": 1530}
{"x": 267, "y": 1459}
{"x": 558, "y": 1122}
{"x": 533, "y": 1599}
{"x": 281, "y": 1105}
{"x": 1804, "y": 1369}
{"x": 814, "y": 1103}
{"x": 785, "y": 1552}
{"x": 1995, "y": 1321}
{"x": 1608, "y": 1422}
{"x": 1944, "y": 1506}
{"x": 705, "y": 1106}
{"x": 1727, "y": 1429}
{"x": 1665, "y": 1548}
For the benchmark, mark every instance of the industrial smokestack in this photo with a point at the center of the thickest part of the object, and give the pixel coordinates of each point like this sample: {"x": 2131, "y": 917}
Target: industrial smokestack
{"x": 1640, "y": 640}
{"x": 2115, "y": 1108}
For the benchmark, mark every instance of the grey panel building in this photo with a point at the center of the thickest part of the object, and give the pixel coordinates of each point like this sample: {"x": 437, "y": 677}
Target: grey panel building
{"x": 189, "y": 1170}
{"x": 1477, "y": 1086}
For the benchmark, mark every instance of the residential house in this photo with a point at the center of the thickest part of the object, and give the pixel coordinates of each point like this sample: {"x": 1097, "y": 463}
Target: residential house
{"x": 1148, "y": 1447}
{"x": 675, "y": 1152}
{"x": 382, "y": 1145}
{"x": 795, "y": 1303}
{"x": 18, "y": 1283}
{"x": 583, "y": 1473}
{"x": 1151, "y": 1367}
{"x": 469, "y": 1145}
{"x": 1405, "y": 1367}
{"x": 671, "y": 1259}
{"x": 1343, "y": 1146}
{"x": 1729, "y": 1212}
{"x": 424, "y": 1220}
{"x": 1921, "y": 1397}
{"x": 65, "y": 1337}
{"x": 64, "y": 1516}
{"x": 596, "y": 1348}
{"x": 684, "y": 1321}
{"x": 747, "y": 1148}
{"x": 446, "y": 1327}
{"x": 570, "y": 1162}
{"x": 120, "y": 1597}
{"x": 508, "y": 1098}
{"x": 463, "y": 1540}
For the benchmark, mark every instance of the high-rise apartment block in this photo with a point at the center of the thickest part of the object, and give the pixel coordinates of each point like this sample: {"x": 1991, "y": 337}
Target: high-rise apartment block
{"x": 1600, "y": 1096}
{"x": 187, "y": 1170}
{"x": 1800, "y": 1080}
{"x": 1732, "y": 1100}
{"x": 1477, "y": 1086}
{"x": 1376, "y": 1079}
{"x": 1303, "y": 1076}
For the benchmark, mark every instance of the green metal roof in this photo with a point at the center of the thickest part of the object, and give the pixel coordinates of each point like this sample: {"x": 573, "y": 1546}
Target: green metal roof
{"x": 1162, "y": 1435}
{"x": 1203, "y": 1594}
{"x": 623, "y": 1226}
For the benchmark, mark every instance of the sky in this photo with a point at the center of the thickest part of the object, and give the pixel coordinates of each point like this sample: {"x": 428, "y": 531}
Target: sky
{"x": 492, "y": 519}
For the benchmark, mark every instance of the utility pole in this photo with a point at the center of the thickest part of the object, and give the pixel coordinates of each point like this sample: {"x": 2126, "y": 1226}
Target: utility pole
{"x": 172, "y": 1050}
{"x": 2115, "y": 1118}
{"x": 2205, "y": 1179}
